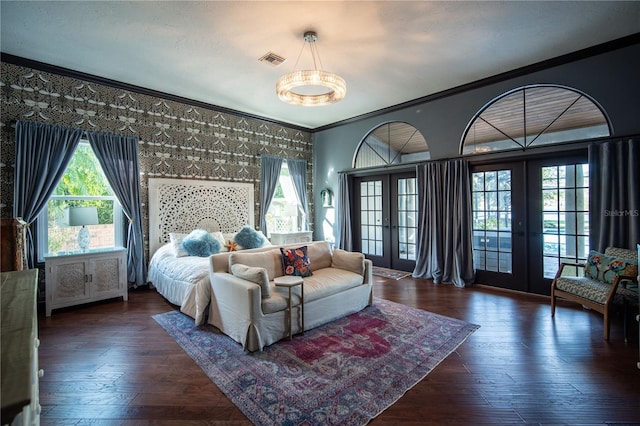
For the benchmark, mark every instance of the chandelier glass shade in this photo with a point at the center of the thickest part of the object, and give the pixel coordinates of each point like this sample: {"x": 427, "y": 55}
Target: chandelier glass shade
{"x": 311, "y": 87}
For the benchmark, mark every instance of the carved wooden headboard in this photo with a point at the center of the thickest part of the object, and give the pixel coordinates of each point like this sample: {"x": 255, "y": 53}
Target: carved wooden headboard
{"x": 182, "y": 205}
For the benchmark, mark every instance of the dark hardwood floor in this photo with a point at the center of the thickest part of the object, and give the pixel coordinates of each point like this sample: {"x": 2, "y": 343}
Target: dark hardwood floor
{"x": 110, "y": 363}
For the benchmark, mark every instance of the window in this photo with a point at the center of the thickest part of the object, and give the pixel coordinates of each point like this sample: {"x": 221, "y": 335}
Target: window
{"x": 82, "y": 185}
{"x": 565, "y": 198}
{"x": 491, "y": 194}
{"x": 285, "y": 212}
{"x": 391, "y": 143}
{"x": 533, "y": 116}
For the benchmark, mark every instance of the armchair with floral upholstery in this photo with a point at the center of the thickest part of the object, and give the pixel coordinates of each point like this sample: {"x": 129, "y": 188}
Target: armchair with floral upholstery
{"x": 606, "y": 282}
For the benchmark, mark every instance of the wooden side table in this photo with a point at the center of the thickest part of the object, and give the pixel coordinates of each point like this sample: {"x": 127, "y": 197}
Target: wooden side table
{"x": 290, "y": 281}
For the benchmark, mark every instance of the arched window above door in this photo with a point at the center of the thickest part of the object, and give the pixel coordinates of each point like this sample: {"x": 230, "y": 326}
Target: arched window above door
{"x": 532, "y": 116}
{"x": 391, "y": 143}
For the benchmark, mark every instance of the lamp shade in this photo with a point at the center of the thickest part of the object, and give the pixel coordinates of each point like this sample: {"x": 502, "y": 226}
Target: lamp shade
{"x": 80, "y": 216}
{"x": 311, "y": 87}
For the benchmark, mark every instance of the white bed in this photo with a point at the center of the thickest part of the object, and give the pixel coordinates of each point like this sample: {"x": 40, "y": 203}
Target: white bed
{"x": 180, "y": 206}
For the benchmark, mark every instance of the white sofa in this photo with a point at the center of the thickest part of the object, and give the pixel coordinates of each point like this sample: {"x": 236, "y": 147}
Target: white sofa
{"x": 340, "y": 284}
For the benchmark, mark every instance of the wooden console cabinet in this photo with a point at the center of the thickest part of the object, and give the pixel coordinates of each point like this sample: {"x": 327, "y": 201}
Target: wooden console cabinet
{"x": 82, "y": 277}
{"x": 19, "y": 342}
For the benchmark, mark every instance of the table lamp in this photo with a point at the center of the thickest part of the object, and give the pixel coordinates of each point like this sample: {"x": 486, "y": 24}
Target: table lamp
{"x": 82, "y": 216}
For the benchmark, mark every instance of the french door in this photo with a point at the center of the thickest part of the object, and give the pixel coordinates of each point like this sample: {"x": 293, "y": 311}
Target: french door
{"x": 385, "y": 219}
{"x": 528, "y": 216}
{"x": 499, "y": 225}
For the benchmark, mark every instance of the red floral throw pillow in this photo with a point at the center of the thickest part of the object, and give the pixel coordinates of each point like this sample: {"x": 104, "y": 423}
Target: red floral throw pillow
{"x": 296, "y": 262}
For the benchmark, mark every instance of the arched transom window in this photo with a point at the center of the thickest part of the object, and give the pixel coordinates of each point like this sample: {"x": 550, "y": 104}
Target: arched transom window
{"x": 533, "y": 116}
{"x": 391, "y": 143}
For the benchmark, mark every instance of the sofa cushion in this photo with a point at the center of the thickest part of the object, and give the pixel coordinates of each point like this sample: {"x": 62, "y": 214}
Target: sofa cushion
{"x": 323, "y": 283}
{"x": 605, "y": 268}
{"x": 295, "y": 261}
{"x": 254, "y": 274}
{"x": 328, "y": 281}
{"x": 319, "y": 253}
{"x": 349, "y": 261}
{"x": 595, "y": 290}
{"x": 269, "y": 260}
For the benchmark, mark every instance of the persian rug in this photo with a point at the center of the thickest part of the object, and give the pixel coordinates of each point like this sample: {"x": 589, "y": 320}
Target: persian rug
{"x": 345, "y": 372}
{"x": 389, "y": 273}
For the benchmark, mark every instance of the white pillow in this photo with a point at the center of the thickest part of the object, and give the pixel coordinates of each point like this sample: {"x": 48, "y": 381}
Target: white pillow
{"x": 226, "y": 237}
{"x": 175, "y": 239}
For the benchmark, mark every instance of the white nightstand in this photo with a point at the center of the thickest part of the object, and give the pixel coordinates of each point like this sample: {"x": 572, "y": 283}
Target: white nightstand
{"x": 74, "y": 278}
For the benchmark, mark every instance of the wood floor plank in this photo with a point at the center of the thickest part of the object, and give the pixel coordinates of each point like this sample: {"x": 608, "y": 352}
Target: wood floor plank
{"x": 110, "y": 363}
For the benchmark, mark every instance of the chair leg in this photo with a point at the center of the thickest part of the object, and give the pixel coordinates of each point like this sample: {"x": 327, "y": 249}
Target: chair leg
{"x": 606, "y": 324}
{"x": 553, "y": 300}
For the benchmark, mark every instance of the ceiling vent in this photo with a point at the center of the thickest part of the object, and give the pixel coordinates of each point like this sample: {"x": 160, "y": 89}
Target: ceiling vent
{"x": 272, "y": 58}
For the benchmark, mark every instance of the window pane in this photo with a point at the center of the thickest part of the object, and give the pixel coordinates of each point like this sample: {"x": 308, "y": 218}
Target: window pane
{"x": 566, "y": 216}
{"x": 491, "y": 208}
{"x": 550, "y": 199}
{"x": 534, "y": 116}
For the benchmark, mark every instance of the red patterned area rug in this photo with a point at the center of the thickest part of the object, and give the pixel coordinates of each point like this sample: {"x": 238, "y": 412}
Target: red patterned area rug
{"x": 389, "y": 273}
{"x": 345, "y": 372}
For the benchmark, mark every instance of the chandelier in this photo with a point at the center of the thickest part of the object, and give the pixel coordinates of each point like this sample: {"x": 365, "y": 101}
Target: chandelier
{"x": 311, "y": 87}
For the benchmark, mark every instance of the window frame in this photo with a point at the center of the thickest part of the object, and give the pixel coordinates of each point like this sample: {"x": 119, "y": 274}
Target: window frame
{"x": 516, "y": 146}
{"x": 42, "y": 220}
{"x": 300, "y": 214}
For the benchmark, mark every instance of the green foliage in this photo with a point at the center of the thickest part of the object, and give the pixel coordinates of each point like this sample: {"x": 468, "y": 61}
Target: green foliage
{"x": 84, "y": 176}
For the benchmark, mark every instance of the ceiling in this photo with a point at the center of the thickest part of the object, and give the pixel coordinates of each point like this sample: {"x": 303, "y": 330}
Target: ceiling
{"x": 389, "y": 52}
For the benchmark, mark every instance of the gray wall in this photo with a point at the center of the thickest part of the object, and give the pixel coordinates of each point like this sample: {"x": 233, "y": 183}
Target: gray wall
{"x": 612, "y": 79}
{"x": 177, "y": 140}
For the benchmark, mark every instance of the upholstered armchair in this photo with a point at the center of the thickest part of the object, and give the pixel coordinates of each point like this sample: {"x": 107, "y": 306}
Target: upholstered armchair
{"x": 605, "y": 282}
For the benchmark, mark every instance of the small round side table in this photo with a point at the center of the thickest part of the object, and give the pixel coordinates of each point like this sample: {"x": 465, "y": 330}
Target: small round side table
{"x": 290, "y": 281}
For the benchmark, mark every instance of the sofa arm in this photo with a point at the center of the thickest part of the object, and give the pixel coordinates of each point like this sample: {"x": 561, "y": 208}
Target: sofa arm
{"x": 236, "y": 295}
{"x": 368, "y": 272}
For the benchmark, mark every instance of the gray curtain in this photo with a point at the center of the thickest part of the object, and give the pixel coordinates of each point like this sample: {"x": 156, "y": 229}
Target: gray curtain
{"x": 614, "y": 194}
{"x": 118, "y": 156}
{"x": 298, "y": 172}
{"x": 343, "y": 213}
{"x": 445, "y": 252}
{"x": 269, "y": 175}
{"x": 42, "y": 153}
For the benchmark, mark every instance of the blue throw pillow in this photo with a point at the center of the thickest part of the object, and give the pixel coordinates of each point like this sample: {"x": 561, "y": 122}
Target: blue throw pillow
{"x": 200, "y": 243}
{"x": 249, "y": 238}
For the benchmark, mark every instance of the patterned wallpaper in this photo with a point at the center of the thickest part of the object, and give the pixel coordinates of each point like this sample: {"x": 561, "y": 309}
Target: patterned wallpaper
{"x": 177, "y": 140}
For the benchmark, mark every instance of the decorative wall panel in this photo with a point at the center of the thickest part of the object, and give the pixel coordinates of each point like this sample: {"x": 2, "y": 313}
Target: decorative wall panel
{"x": 180, "y": 205}
{"x": 177, "y": 140}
